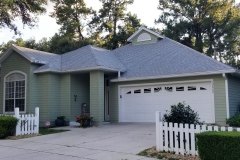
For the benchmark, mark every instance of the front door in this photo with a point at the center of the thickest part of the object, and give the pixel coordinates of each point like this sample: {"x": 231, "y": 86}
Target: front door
{"x": 106, "y": 108}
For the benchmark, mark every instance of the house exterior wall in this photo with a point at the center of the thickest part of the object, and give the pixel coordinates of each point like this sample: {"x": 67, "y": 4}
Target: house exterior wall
{"x": 218, "y": 88}
{"x": 97, "y": 96}
{"x": 79, "y": 87}
{"x": 48, "y": 97}
{"x": 234, "y": 95}
{"x": 14, "y": 62}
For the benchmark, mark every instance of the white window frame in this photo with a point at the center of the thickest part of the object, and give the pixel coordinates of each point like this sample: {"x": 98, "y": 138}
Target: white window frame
{"x": 4, "y": 91}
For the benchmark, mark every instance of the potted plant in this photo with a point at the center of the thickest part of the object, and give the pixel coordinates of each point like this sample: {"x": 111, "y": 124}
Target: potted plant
{"x": 84, "y": 120}
{"x": 60, "y": 121}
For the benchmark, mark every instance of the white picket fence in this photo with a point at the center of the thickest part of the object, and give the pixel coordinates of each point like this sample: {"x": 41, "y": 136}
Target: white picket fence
{"x": 180, "y": 138}
{"x": 28, "y": 123}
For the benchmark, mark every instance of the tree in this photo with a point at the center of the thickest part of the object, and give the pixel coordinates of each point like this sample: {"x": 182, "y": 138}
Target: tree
{"x": 72, "y": 16}
{"x": 208, "y": 26}
{"x": 114, "y": 22}
{"x": 26, "y": 10}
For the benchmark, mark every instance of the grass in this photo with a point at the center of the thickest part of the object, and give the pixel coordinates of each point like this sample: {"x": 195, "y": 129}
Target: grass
{"x": 45, "y": 131}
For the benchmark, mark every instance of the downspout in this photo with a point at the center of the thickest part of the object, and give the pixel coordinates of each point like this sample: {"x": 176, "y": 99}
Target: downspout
{"x": 119, "y": 74}
{"x": 227, "y": 94}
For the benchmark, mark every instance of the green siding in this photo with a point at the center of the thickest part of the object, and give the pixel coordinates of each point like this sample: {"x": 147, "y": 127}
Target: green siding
{"x": 79, "y": 87}
{"x": 65, "y": 91}
{"x": 97, "y": 96}
{"x": 15, "y": 62}
{"x": 48, "y": 96}
{"x": 219, "y": 95}
{"x": 234, "y": 95}
{"x": 153, "y": 39}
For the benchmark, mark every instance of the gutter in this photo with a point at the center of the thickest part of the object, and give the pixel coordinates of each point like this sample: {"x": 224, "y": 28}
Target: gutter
{"x": 173, "y": 76}
{"x": 227, "y": 94}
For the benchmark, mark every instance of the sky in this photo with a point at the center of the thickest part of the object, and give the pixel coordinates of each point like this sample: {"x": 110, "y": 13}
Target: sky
{"x": 146, "y": 10}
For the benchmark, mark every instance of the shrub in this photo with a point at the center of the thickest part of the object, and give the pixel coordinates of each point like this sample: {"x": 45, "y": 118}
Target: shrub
{"x": 234, "y": 121}
{"x": 7, "y": 125}
{"x": 218, "y": 145}
{"x": 181, "y": 113}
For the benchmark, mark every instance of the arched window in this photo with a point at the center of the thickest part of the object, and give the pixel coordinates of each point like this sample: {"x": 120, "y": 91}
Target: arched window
{"x": 15, "y": 91}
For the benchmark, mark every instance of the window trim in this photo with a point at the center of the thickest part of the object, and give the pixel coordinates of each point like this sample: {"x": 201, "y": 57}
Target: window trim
{"x": 4, "y": 91}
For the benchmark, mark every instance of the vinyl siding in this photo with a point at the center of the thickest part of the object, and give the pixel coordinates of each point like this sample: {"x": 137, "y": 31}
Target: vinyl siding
{"x": 15, "y": 62}
{"x": 218, "y": 88}
{"x": 234, "y": 95}
{"x": 65, "y": 92}
{"x": 48, "y": 96}
{"x": 97, "y": 96}
{"x": 79, "y": 87}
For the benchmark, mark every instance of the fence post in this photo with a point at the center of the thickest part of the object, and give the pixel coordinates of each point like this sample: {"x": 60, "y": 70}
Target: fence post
{"x": 36, "y": 120}
{"x": 158, "y": 138}
{"x": 18, "y": 127}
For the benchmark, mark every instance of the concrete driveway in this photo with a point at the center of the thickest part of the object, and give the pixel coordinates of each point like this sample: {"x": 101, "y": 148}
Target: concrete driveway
{"x": 107, "y": 142}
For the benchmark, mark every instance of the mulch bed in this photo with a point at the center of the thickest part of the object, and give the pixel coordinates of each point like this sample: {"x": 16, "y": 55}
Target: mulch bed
{"x": 152, "y": 152}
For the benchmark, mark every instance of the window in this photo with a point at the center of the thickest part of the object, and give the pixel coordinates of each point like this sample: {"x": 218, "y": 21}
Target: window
{"x": 15, "y": 91}
{"x": 129, "y": 92}
{"x": 202, "y": 88}
{"x": 179, "y": 88}
{"x": 137, "y": 91}
{"x": 192, "y": 88}
{"x": 170, "y": 89}
{"x": 147, "y": 90}
{"x": 158, "y": 89}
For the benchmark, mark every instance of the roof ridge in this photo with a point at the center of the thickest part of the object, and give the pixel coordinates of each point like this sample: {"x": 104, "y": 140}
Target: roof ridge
{"x": 93, "y": 55}
{"x": 202, "y": 54}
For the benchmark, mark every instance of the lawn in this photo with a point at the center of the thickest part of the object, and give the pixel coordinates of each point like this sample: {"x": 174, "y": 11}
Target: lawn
{"x": 45, "y": 131}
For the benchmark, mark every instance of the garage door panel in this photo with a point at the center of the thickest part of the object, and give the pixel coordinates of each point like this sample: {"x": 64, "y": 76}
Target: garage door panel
{"x": 141, "y": 104}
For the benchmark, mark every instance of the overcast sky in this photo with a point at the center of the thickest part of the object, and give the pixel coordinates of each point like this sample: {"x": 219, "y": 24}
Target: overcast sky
{"x": 146, "y": 10}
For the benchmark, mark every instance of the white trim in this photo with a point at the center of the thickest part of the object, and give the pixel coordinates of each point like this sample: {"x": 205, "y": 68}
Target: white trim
{"x": 147, "y": 30}
{"x": 172, "y": 76}
{"x": 164, "y": 83}
{"x": 227, "y": 95}
{"x": 4, "y": 79}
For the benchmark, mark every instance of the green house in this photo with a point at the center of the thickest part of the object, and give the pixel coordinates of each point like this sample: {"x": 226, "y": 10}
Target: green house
{"x": 128, "y": 84}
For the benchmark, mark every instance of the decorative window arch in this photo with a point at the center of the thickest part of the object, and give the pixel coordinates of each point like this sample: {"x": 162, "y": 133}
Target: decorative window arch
{"x": 15, "y": 91}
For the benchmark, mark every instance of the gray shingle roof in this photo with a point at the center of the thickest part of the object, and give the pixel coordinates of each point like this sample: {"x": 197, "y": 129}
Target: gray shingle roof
{"x": 165, "y": 58}
{"x": 90, "y": 57}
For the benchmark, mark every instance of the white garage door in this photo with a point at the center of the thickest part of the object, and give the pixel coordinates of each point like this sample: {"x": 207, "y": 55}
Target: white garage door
{"x": 139, "y": 103}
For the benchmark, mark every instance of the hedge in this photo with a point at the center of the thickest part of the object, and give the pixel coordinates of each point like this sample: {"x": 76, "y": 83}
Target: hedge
{"x": 7, "y": 126}
{"x": 219, "y": 145}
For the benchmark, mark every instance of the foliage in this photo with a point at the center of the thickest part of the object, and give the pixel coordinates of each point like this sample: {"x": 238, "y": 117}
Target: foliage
{"x": 114, "y": 22}
{"x": 218, "y": 145}
{"x": 72, "y": 15}
{"x": 26, "y": 10}
{"x": 84, "y": 120}
{"x": 234, "y": 121}
{"x": 7, "y": 125}
{"x": 211, "y": 27}
{"x": 181, "y": 113}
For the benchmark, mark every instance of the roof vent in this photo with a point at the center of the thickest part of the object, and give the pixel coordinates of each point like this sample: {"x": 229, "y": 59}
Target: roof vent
{"x": 144, "y": 37}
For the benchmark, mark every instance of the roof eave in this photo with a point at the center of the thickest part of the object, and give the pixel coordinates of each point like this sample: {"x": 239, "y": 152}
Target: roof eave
{"x": 173, "y": 76}
{"x": 82, "y": 70}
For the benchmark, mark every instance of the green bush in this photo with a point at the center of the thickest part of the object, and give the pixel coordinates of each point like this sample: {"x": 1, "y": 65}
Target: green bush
{"x": 234, "y": 121}
{"x": 219, "y": 145}
{"x": 181, "y": 113}
{"x": 7, "y": 126}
